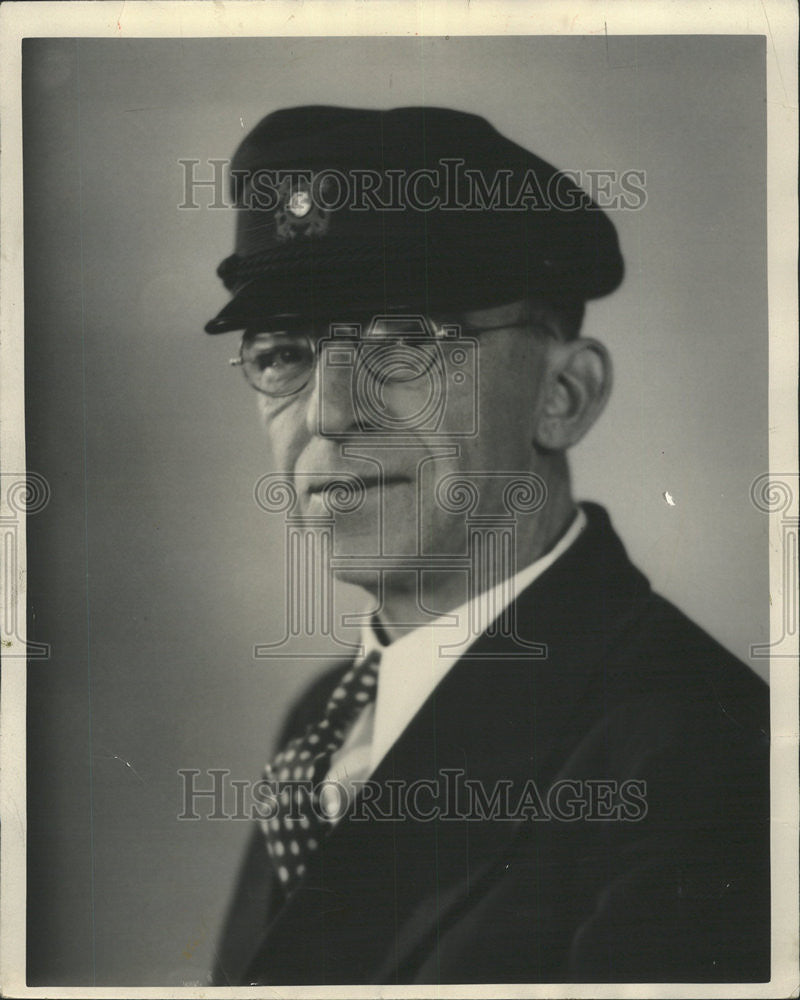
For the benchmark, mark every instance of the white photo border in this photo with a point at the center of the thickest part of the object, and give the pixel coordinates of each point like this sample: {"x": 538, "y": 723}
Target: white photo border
{"x": 775, "y": 20}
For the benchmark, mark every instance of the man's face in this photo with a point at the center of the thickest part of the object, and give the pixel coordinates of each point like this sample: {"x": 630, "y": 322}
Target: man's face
{"x": 408, "y": 414}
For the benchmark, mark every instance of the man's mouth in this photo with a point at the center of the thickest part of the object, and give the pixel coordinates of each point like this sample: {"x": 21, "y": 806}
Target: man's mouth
{"x": 353, "y": 482}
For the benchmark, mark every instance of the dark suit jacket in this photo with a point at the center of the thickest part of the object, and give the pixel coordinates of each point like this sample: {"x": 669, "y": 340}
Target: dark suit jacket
{"x": 630, "y": 690}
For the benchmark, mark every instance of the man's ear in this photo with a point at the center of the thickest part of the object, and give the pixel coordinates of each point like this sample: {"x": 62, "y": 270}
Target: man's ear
{"x": 576, "y": 388}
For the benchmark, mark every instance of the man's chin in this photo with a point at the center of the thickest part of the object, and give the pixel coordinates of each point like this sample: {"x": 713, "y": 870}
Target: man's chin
{"x": 362, "y": 559}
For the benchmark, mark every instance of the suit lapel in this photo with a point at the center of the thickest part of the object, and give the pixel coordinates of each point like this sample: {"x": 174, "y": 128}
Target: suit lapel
{"x": 378, "y": 887}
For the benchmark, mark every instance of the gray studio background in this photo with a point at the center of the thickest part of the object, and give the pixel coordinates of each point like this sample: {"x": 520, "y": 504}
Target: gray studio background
{"x": 152, "y": 573}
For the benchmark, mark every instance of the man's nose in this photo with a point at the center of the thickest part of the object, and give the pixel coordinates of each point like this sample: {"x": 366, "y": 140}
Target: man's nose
{"x": 331, "y": 407}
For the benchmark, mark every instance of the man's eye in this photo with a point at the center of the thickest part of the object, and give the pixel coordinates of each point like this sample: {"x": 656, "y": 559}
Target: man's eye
{"x": 278, "y": 358}
{"x": 278, "y": 369}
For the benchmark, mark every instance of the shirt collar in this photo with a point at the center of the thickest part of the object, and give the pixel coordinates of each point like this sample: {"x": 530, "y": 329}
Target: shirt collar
{"x": 413, "y": 665}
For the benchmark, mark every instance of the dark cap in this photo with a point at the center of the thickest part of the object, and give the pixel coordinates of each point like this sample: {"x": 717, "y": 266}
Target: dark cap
{"x": 413, "y": 208}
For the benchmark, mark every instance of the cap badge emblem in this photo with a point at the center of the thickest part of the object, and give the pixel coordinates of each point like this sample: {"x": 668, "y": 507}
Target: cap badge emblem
{"x": 298, "y": 214}
{"x": 299, "y": 204}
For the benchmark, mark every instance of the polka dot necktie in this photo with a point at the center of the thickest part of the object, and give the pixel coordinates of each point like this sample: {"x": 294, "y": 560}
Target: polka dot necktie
{"x": 294, "y": 832}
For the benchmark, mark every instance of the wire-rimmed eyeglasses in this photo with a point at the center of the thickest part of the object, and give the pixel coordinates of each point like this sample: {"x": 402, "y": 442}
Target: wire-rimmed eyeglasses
{"x": 390, "y": 349}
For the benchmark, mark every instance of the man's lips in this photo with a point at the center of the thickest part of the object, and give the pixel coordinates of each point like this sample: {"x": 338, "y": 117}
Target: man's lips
{"x": 353, "y": 481}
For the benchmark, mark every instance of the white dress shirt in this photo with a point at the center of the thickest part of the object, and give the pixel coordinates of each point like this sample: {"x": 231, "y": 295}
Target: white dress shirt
{"x": 413, "y": 665}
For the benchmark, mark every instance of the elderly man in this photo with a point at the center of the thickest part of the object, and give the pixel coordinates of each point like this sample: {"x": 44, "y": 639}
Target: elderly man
{"x": 535, "y": 769}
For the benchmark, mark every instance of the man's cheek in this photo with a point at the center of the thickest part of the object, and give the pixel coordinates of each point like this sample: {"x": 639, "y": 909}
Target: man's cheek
{"x": 286, "y": 436}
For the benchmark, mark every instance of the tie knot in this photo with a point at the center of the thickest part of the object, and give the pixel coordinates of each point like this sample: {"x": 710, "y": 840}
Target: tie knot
{"x": 357, "y": 688}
